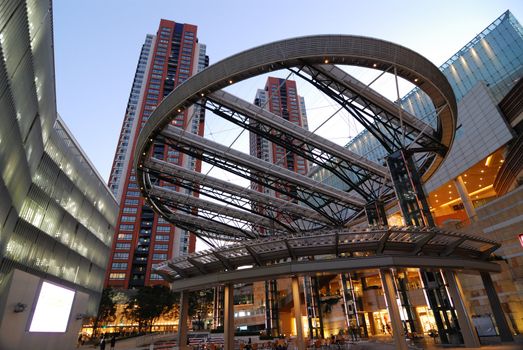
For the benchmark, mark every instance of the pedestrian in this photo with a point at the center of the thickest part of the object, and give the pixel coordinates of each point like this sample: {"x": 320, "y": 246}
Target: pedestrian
{"x": 102, "y": 343}
{"x": 113, "y": 342}
{"x": 80, "y": 337}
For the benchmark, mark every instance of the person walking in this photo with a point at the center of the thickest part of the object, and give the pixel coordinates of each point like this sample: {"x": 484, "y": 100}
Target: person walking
{"x": 113, "y": 342}
{"x": 102, "y": 343}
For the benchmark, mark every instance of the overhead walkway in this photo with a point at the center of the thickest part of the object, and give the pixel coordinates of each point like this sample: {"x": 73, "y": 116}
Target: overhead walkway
{"x": 326, "y": 200}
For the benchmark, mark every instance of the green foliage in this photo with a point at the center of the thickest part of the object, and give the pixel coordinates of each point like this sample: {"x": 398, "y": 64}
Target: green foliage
{"x": 149, "y": 304}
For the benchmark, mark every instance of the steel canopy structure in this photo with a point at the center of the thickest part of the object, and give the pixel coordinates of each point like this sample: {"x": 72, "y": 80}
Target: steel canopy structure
{"x": 313, "y": 58}
{"x": 331, "y": 251}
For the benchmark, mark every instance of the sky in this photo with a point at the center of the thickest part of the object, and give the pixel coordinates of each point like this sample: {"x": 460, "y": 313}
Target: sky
{"x": 97, "y": 43}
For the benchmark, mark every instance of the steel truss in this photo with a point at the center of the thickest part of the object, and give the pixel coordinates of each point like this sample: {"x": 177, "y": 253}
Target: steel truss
{"x": 361, "y": 175}
{"x": 389, "y": 123}
{"x": 295, "y": 217}
{"x": 243, "y": 220}
{"x": 336, "y": 205}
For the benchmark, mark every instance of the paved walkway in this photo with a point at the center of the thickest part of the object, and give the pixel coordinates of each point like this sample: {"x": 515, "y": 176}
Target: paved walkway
{"x": 165, "y": 342}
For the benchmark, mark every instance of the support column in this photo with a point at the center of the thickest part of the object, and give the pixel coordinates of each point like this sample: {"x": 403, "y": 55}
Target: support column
{"x": 415, "y": 211}
{"x": 300, "y": 341}
{"x": 217, "y": 312}
{"x": 470, "y": 337}
{"x": 403, "y": 294}
{"x": 495, "y": 306}
{"x": 375, "y": 212}
{"x": 394, "y": 312}
{"x": 182, "y": 320}
{"x": 228, "y": 326}
{"x": 465, "y": 198}
{"x": 409, "y": 190}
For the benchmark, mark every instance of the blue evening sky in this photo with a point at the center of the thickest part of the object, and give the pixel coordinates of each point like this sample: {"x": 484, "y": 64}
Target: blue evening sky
{"x": 97, "y": 43}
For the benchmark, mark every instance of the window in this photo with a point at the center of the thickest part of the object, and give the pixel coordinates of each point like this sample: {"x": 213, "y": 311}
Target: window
{"x": 128, "y": 219}
{"x": 162, "y": 238}
{"x": 130, "y": 210}
{"x": 126, "y": 227}
{"x": 117, "y": 276}
{"x": 159, "y": 256}
{"x": 125, "y": 246}
{"x": 163, "y": 229}
{"x": 133, "y": 194}
{"x": 121, "y": 256}
{"x": 155, "y": 276}
{"x": 119, "y": 266}
{"x": 161, "y": 247}
{"x": 125, "y": 236}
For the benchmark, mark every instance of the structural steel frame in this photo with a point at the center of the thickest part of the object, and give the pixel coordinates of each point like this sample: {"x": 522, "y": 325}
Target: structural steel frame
{"x": 316, "y": 55}
{"x": 330, "y": 251}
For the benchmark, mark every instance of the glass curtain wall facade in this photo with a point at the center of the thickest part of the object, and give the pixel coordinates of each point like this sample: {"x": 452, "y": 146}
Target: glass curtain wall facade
{"x": 493, "y": 57}
{"x": 142, "y": 237}
{"x": 57, "y": 216}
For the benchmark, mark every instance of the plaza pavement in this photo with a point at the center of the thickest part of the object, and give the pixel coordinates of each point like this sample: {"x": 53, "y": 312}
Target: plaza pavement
{"x": 166, "y": 342}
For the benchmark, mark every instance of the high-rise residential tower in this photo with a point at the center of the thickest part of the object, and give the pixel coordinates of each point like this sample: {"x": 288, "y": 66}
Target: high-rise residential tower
{"x": 280, "y": 97}
{"x": 142, "y": 238}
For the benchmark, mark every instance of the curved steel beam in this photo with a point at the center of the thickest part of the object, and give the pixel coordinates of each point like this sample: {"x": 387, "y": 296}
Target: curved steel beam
{"x": 340, "y": 265}
{"x": 311, "y": 50}
{"x": 331, "y": 245}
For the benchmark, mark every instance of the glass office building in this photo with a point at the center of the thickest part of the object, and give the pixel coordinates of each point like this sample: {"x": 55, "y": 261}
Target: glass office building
{"x": 494, "y": 57}
{"x": 476, "y": 188}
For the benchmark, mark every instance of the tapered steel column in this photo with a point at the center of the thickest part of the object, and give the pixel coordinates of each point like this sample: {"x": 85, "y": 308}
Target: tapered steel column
{"x": 465, "y": 198}
{"x": 228, "y": 327}
{"x": 394, "y": 312}
{"x": 495, "y": 306}
{"x": 470, "y": 337}
{"x": 182, "y": 320}
{"x": 300, "y": 341}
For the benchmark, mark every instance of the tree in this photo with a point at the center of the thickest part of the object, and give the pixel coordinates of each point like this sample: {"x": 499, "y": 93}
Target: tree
{"x": 149, "y": 304}
{"x": 200, "y": 304}
{"x": 106, "y": 309}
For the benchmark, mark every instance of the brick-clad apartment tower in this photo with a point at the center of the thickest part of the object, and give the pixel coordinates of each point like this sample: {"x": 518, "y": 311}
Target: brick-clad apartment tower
{"x": 143, "y": 238}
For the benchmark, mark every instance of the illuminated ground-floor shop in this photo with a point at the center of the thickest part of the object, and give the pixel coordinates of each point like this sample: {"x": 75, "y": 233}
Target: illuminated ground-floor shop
{"x": 353, "y": 293}
{"x": 351, "y": 305}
